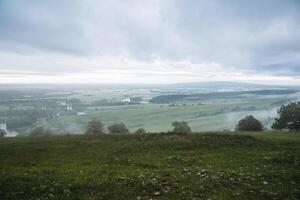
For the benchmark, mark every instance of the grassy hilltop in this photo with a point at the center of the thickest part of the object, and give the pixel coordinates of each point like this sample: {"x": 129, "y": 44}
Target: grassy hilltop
{"x": 151, "y": 166}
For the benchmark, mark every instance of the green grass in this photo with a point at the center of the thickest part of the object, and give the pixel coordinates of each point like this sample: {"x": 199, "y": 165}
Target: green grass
{"x": 151, "y": 166}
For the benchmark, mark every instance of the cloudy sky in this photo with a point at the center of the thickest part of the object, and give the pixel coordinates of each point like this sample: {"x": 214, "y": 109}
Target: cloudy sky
{"x": 149, "y": 41}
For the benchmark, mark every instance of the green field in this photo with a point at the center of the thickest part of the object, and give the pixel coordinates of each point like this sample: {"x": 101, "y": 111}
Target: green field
{"x": 210, "y": 115}
{"x": 68, "y": 110}
{"x": 151, "y": 166}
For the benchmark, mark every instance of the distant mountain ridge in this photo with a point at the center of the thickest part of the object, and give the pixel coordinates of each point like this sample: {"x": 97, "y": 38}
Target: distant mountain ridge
{"x": 229, "y": 86}
{"x": 211, "y": 86}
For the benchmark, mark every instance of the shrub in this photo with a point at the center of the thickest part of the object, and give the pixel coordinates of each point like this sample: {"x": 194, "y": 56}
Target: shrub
{"x": 41, "y": 131}
{"x": 181, "y": 127}
{"x": 95, "y": 127}
{"x": 249, "y": 123}
{"x": 289, "y": 117}
{"x": 2, "y": 133}
{"x": 118, "y": 129}
{"x": 140, "y": 131}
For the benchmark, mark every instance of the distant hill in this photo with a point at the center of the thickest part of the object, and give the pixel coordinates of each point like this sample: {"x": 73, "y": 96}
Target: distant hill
{"x": 219, "y": 86}
{"x": 211, "y": 86}
{"x": 219, "y": 95}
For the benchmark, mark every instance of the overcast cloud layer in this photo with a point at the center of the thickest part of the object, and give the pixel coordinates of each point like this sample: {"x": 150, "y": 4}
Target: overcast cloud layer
{"x": 138, "y": 41}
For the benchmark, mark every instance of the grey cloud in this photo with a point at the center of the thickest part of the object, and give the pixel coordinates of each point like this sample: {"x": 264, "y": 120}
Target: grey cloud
{"x": 259, "y": 36}
{"x": 239, "y": 33}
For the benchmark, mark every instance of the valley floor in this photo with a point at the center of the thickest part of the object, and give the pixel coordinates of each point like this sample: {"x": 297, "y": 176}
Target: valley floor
{"x": 151, "y": 166}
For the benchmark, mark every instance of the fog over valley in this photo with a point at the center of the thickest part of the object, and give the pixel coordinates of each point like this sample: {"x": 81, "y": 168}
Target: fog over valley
{"x": 149, "y": 99}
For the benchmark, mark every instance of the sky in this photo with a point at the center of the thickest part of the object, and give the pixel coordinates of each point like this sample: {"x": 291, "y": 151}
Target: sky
{"x": 149, "y": 41}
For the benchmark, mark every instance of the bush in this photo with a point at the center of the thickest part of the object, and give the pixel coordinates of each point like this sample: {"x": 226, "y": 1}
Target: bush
{"x": 41, "y": 131}
{"x": 140, "y": 131}
{"x": 289, "y": 117}
{"x": 2, "y": 133}
{"x": 249, "y": 123}
{"x": 118, "y": 129}
{"x": 181, "y": 127}
{"x": 95, "y": 127}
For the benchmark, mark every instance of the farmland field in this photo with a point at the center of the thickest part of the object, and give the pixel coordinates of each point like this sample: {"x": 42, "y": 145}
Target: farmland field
{"x": 67, "y": 109}
{"x": 151, "y": 166}
{"x": 202, "y": 115}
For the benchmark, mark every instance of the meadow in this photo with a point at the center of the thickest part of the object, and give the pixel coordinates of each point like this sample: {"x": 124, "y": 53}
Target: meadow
{"x": 151, "y": 166}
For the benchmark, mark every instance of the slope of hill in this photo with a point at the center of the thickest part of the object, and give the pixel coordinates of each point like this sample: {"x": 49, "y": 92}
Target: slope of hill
{"x": 151, "y": 166}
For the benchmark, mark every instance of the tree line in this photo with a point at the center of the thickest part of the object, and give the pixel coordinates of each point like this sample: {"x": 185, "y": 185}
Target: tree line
{"x": 96, "y": 127}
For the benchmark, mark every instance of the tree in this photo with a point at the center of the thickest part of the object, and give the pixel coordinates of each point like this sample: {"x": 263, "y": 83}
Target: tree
{"x": 95, "y": 127}
{"x": 41, "y": 131}
{"x": 249, "y": 123}
{"x": 2, "y": 133}
{"x": 140, "y": 131}
{"x": 181, "y": 127}
{"x": 118, "y": 129}
{"x": 288, "y": 117}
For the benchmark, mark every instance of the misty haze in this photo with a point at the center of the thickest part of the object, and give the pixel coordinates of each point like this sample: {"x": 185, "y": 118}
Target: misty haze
{"x": 158, "y": 99}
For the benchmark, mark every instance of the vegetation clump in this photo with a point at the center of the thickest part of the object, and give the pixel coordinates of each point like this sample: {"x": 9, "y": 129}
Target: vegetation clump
{"x": 140, "y": 131}
{"x": 288, "y": 117}
{"x": 95, "y": 127}
{"x": 181, "y": 127}
{"x": 249, "y": 123}
{"x": 118, "y": 129}
{"x": 41, "y": 131}
{"x": 2, "y": 133}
